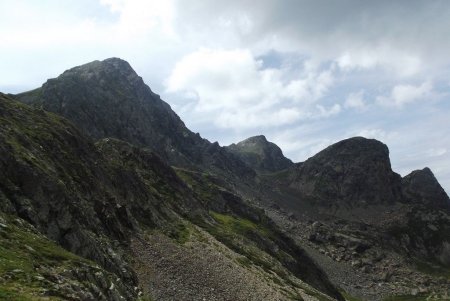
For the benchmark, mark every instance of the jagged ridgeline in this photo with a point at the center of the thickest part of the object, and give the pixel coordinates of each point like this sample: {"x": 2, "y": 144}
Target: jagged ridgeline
{"x": 92, "y": 210}
{"x": 105, "y": 194}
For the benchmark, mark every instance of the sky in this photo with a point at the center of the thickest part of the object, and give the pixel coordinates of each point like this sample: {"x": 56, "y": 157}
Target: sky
{"x": 305, "y": 74}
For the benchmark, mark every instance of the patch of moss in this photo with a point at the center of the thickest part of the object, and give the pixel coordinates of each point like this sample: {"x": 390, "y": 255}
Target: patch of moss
{"x": 349, "y": 297}
{"x": 201, "y": 183}
{"x": 319, "y": 296}
{"x": 23, "y": 252}
{"x": 433, "y": 270}
{"x": 235, "y": 232}
{"x": 234, "y": 224}
{"x": 145, "y": 298}
{"x": 180, "y": 232}
{"x": 419, "y": 297}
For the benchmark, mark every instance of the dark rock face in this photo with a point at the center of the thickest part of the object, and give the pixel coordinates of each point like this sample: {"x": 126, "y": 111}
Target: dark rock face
{"x": 92, "y": 199}
{"x": 260, "y": 154}
{"x": 355, "y": 171}
{"x": 108, "y": 99}
{"x": 420, "y": 186}
{"x": 81, "y": 195}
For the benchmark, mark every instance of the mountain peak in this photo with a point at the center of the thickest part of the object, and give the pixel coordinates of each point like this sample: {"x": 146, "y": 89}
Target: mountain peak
{"x": 260, "y": 154}
{"x": 108, "y": 99}
{"x": 258, "y": 138}
{"x": 112, "y": 71}
{"x": 111, "y": 63}
{"x": 356, "y": 170}
{"x": 421, "y": 186}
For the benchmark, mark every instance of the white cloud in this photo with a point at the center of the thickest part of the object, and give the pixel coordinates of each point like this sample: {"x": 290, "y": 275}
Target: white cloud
{"x": 436, "y": 152}
{"x": 355, "y": 101}
{"x": 243, "y": 120}
{"x": 400, "y": 62}
{"x": 236, "y": 92}
{"x": 142, "y": 16}
{"x": 404, "y": 94}
{"x": 373, "y": 133}
{"x": 207, "y": 51}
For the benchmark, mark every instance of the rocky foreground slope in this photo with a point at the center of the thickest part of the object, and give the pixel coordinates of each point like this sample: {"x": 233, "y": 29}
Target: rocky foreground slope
{"x": 106, "y": 195}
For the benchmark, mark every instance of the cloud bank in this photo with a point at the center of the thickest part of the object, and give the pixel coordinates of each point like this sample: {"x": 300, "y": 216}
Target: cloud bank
{"x": 304, "y": 73}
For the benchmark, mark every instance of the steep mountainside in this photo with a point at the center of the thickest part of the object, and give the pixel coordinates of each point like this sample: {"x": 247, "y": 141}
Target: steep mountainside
{"x": 356, "y": 171}
{"x": 122, "y": 210}
{"x": 260, "y": 154}
{"x": 106, "y": 195}
{"x": 421, "y": 187}
{"x": 108, "y": 99}
{"x": 363, "y": 223}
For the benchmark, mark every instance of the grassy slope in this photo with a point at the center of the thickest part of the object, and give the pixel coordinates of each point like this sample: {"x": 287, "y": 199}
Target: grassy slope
{"x": 249, "y": 232}
{"x": 31, "y": 265}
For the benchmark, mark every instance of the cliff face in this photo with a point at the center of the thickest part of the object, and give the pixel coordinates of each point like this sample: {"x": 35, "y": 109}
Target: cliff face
{"x": 81, "y": 195}
{"x": 421, "y": 187}
{"x": 108, "y": 99}
{"x": 356, "y": 171}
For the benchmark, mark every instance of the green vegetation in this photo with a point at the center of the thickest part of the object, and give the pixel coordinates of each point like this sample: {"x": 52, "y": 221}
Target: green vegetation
{"x": 180, "y": 232}
{"x": 349, "y": 297}
{"x": 145, "y": 298}
{"x": 317, "y": 295}
{"x": 419, "y": 297}
{"x": 236, "y": 225}
{"x": 202, "y": 184}
{"x": 242, "y": 235}
{"x": 27, "y": 259}
{"x": 433, "y": 270}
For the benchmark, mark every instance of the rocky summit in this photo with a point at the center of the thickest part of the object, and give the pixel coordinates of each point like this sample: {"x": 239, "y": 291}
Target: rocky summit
{"x": 105, "y": 194}
{"x": 355, "y": 171}
{"x": 260, "y": 154}
{"x": 108, "y": 99}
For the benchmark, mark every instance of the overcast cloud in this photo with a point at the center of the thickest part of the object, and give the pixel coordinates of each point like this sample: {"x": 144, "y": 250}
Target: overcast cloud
{"x": 304, "y": 73}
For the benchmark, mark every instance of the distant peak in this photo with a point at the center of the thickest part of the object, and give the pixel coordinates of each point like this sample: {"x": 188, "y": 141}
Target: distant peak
{"x": 117, "y": 62}
{"x": 260, "y": 154}
{"x": 358, "y": 145}
{"x": 259, "y": 137}
{"x": 110, "y": 73}
{"x": 428, "y": 171}
{"x": 422, "y": 186}
{"x": 103, "y": 68}
{"x": 255, "y": 139}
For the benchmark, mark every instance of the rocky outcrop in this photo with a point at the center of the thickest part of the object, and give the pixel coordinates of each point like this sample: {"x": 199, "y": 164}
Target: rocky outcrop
{"x": 93, "y": 199}
{"x": 421, "y": 187}
{"x": 81, "y": 195}
{"x": 260, "y": 154}
{"x": 108, "y": 99}
{"x": 355, "y": 172}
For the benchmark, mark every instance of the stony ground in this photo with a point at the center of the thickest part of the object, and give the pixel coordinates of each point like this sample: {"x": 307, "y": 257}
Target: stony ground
{"x": 204, "y": 269}
{"x": 373, "y": 274}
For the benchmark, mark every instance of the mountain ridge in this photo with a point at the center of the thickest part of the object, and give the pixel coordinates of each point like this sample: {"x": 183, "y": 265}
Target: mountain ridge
{"x": 127, "y": 109}
{"x": 123, "y": 175}
{"x": 98, "y": 200}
